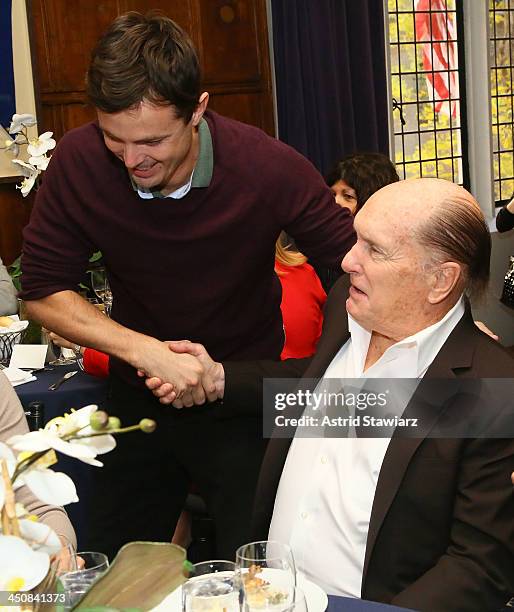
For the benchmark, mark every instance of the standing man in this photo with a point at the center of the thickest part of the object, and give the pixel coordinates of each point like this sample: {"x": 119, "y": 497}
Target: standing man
{"x": 186, "y": 207}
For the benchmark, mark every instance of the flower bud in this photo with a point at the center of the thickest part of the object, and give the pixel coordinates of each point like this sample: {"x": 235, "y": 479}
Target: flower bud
{"x": 114, "y": 422}
{"x": 99, "y": 420}
{"x": 147, "y": 425}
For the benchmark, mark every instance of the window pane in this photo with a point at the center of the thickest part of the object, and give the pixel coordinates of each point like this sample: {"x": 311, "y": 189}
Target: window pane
{"x": 426, "y": 86}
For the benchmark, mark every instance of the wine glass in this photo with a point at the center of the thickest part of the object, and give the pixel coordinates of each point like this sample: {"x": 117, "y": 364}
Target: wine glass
{"x": 213, "y": 587}
{"x": 268, "y": 576}
{"x": 62, "y": 355}
{"x": 102, "y": 289}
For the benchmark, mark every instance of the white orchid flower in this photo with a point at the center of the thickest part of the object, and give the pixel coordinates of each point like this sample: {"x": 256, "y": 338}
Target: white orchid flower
{"x": 85, "y": 449}
{"x": 40, "y": 162}
{"x": 40, "y": 145}
{"x": 21, "y": 568}
{"x": 20, "y": 121}
{"x": 27, "y": 169}
{"x": 30, "y": 173}
{"x": 50, "y": 487}
{"x": 27, "y": 184}
{"x": 7, "y": 454}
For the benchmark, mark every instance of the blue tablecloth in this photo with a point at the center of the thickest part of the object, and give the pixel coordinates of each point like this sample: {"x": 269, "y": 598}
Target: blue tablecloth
{"x": 347, "y": 604}
{"x": 77, "y": 392}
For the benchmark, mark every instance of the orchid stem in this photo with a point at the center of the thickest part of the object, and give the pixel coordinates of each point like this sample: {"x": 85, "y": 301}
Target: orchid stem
{"x": 107, "y": 432}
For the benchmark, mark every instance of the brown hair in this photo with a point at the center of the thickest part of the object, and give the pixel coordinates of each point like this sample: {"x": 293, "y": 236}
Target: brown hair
{"x": 365, "y": 173}
{"x": 457, "y": 231}
{"x": 144, "y": 57}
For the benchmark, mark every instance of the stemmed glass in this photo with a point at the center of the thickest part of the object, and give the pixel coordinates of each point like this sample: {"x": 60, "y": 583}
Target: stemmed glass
{"x": 268, "y": 576}
{"x": 79, "y": 572}
{"x": 213, "y": 587}
{"x": 102, "y": 289}
{"x": 62, "y": 356}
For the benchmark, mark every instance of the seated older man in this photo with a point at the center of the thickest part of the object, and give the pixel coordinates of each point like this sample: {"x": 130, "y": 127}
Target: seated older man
{"x": 424, "y": 523}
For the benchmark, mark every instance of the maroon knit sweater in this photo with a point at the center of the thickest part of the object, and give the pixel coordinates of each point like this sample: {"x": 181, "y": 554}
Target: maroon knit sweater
{"x": 200, "y": 267}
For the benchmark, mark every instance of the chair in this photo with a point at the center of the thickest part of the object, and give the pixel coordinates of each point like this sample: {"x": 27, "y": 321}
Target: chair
{"x": 203, "y": 539}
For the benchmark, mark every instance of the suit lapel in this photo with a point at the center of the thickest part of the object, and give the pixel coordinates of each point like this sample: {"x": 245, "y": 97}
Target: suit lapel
{"x": 426, "y": 404}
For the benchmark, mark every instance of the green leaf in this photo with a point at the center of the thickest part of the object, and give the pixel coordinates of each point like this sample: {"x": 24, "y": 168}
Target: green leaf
{"x": 140, "y": 577}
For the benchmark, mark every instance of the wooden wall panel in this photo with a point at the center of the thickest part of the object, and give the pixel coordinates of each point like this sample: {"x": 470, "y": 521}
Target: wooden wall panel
{"x": 65, "y": 32}
{"x": 244, "y": 107}
{"x": 229, "y": 42}
{"x": 14, "y": 214}
{"x": 230, "y": 35}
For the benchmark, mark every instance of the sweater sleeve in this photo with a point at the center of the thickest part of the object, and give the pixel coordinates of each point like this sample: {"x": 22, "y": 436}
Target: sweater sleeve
{"x": 96, "y": 363}
{"x": 504, "y": 220}
{"x": 13, "y": 422}
{"x": 55, "y": 247}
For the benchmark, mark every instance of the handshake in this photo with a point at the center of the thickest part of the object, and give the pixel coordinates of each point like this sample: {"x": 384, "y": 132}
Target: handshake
{"x": 186, "y": 376}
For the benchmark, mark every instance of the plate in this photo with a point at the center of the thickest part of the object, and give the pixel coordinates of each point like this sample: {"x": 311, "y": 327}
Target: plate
{"x": 315, "y": 596}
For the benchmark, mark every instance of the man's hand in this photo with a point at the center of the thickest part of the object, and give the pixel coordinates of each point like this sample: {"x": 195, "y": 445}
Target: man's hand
{"x": 212, "y": 384}
{"x": 483, "y": 327}
{"x": 183, "y": 374}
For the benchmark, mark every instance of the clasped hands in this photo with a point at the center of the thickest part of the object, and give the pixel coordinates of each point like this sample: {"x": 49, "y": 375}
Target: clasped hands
{"x": 198, "y": 377}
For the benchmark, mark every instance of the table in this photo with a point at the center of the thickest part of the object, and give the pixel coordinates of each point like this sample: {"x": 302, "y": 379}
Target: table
{"x": 348, "y": 604}
{"x": 79, "y": 391}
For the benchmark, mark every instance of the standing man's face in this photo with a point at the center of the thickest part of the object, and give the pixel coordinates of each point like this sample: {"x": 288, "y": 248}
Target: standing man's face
{"x": 158, "y": 149}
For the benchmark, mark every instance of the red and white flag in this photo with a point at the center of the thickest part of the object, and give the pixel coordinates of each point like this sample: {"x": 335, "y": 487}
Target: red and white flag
{"x": 435, "y": 28}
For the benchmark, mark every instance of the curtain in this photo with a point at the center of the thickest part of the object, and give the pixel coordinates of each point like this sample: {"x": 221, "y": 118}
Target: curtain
{"x": 331, "y": 77}
{"x": 7, "y": 100}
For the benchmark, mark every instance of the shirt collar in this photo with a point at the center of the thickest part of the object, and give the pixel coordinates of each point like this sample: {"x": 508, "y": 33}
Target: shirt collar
{"x": 422, "y": 347}
{"x": 202, "y": 172}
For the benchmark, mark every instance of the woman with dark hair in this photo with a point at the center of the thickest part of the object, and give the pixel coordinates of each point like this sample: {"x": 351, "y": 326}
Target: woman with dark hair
{"x": 354, "y": 179}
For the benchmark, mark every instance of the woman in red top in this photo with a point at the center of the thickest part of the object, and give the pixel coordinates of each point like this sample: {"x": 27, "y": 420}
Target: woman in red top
{"x": 303, "y": 299}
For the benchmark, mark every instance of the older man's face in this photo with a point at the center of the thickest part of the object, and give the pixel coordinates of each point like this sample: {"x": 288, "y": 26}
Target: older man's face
{"x": 389, "y": 286}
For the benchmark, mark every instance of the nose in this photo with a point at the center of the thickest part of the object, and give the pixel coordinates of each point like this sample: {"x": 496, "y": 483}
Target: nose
{"x": 350, "y": 263}
{"x": 132, "y": 157}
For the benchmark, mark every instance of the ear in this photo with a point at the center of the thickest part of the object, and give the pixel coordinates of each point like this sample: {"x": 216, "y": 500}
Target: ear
{"x": 443, "y": 281}
{"x": 200, "y": 109}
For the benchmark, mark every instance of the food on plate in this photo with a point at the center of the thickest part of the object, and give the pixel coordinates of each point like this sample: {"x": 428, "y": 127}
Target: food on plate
{"x": 259, "y": 593}
{"x": 6, "y": 321}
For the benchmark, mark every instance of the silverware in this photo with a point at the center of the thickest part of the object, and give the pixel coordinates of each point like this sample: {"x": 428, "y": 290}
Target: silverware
{"x": 66, "y": 377}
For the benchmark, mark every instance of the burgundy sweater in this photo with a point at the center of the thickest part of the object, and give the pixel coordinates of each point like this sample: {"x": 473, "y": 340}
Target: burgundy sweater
{"x": 200, "y": 267}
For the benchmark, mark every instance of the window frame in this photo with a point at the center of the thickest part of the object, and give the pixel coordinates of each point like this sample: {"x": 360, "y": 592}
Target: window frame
{"x": 476, "y": 96}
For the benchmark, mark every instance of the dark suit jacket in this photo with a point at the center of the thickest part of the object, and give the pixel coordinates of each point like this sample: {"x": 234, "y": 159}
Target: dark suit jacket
{"x": 441, "y": 533}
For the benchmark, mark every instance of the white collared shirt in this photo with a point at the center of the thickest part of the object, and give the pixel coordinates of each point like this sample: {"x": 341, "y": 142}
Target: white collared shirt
{"x": 179, "y": 193}
{"x": 324, "y": 499}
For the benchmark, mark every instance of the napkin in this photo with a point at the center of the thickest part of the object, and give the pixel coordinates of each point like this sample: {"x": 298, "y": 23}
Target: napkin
{"x": 18, "y": 377}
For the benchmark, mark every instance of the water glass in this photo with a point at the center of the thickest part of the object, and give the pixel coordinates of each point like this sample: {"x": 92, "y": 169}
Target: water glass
{"x": 212, "y": 587}
{"x": 76, "y": 583}
{"x": 268, "y": 575}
